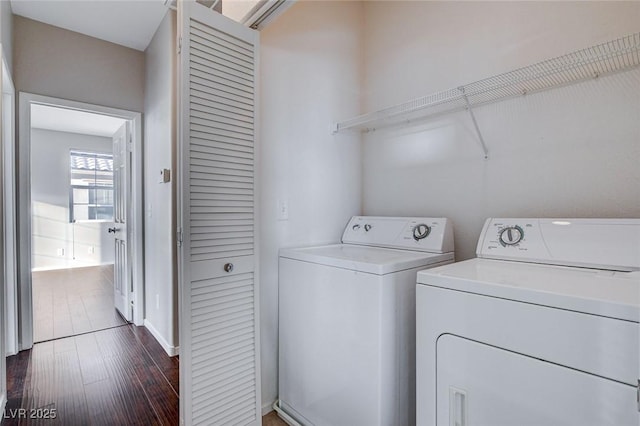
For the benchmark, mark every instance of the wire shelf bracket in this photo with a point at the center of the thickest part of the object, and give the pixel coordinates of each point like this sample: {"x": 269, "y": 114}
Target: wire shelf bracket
{"x": 475, "y": 123}
{"x": 613, "y": 56}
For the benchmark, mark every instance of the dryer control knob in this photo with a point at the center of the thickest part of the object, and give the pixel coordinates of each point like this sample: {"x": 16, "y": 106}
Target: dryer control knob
{"x": 367, "y": 227}
{"x": 511, "y": 235}
{"x": 421, "y": 231}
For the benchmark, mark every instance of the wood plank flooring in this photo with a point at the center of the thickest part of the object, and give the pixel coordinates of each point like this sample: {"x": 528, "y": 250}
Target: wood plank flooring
{"x": 118, "y": 376}
{"x": 69, "y": 302}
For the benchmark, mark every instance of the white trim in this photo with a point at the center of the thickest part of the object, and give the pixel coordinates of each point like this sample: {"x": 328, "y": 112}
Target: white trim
{"x": 57, "y": 268}
{"x": 170, "y": 350}
{"x": 10, "y": 218}
{"x": 3, "y": 360}
{"x": 267, "y": 408}
{"x": 24, "y": 207}
{"x": 265, "y": 12}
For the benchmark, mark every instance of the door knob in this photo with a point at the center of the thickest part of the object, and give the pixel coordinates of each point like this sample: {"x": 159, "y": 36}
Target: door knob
{"x": 228, "y": 267}
{"x": 114, "y": 229}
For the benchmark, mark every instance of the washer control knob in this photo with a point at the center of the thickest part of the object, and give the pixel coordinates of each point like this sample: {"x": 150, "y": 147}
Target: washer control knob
{"x": 367, "y": 227}
{"x": 421, "y": 231}
{"x": 355, "y": 227}
{"x": 511, "y": 235}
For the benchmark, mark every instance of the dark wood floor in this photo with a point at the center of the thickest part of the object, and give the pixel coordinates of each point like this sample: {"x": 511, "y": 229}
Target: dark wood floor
{"x": 119, "y": 376}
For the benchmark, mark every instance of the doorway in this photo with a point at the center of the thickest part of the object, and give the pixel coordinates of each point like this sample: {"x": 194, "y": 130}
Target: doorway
{"x": 72, "y": 201}
{"x": 80, "y": 203}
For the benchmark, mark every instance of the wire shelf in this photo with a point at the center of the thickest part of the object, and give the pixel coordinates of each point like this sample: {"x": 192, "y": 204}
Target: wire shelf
{"x": 616, "y": 55}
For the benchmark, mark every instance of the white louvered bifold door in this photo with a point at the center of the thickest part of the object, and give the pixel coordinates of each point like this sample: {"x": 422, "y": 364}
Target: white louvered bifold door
{"x": 219, "y": 330}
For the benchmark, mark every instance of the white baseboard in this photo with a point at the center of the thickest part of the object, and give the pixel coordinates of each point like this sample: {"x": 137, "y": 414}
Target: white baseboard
{"x": 267, "y": 408}
{"x": 170, "y": 350}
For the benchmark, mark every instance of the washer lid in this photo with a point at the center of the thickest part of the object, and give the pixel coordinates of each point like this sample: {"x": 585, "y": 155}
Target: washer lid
{"x": 373, "y": 260}
{"x": 592, "y": 291}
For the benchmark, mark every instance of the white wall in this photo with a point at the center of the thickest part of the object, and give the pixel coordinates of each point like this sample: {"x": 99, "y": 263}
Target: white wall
{"x": 310, "y": 75}
{"x": 55, "y": 62}
{"x": 6, "y": 32}
{"x": 570, "y": 152}
{"x": 50, "y": 225}
{"x": 161, "y": 299}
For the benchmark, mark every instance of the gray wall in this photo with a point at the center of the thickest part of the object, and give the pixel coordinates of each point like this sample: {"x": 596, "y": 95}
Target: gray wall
{"x": 161, "y": 301}
{"x": 569, "y": 152}
{"x": 55, "y": 62}
{"x": 6, "y": 32}
{"x": 50, "y": 225}
{"x": 310, "y": 73}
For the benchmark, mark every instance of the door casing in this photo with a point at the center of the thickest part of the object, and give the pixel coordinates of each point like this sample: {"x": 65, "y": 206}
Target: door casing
{"x": 25, "y": 305}
{"x": 10, "y": 307}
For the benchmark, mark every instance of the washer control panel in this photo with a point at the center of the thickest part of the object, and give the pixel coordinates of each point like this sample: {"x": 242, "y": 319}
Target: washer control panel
{"x": 597, "y": 243}
{"x": 421, "y": 231}
{"x": 511, "y": 235}
{"x": 409, "y": 233}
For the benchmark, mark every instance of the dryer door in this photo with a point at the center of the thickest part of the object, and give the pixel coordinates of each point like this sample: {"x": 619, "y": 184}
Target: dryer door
{"x": 479, "y": 384}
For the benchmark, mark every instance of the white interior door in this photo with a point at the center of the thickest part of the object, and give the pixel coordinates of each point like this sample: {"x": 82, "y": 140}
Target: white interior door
{"x": 219, "y": 329}
{"x": 122, "y": 279}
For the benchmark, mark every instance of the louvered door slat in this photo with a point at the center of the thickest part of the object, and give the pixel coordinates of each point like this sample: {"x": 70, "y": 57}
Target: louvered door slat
{"x": 223, "y": 156}
{"x": 240, "y": 45}
{"x": 208, "y": 76}
{"x": 248, "y": 217}
{"x": 201, "y": 64}
{"x": 217, "y": 148}
{"x": 235, "y": 113}
{"x": 214, "y": 139}
{"x": 231, "y": 91}
{"x": 243, "y": 132}
{"x": 203, "y": 357}
{"x": 211, "y": 46}
{"x": 241, "y": 345}
{"x": 230, "y": 43}
{"x": 222, "y": 161}
{"x": 226, "y": 178}
{"x": 222, "y": 102}
{"x": 219, "y": 332}
{"x": 214, "y": 132}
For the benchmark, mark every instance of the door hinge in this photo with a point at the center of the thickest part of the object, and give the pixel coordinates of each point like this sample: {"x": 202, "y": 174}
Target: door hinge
{"x": 130, "y": 144}
{"x": 179, "y": 45}
{"x": 179, "y": 237}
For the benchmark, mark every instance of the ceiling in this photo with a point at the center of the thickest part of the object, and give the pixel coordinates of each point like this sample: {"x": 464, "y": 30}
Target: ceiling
{"x": 73, "y": 121}
{"x": 130, "y": 23}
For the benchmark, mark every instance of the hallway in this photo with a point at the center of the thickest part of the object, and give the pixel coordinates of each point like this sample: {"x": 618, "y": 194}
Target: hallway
{"x": 118, "y": 376}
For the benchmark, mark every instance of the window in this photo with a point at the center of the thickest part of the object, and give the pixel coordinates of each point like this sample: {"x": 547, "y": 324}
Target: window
{"x": 91, "y": 189}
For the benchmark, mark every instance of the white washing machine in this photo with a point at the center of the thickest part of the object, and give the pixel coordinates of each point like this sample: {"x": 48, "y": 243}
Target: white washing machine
{"x": 540, "y": 329}
{"x": 347, "y": 322}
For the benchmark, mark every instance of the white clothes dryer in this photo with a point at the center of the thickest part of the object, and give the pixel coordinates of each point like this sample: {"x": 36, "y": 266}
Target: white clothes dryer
{"x": 347, "y": 322}
{"x": 540, "y": 329}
